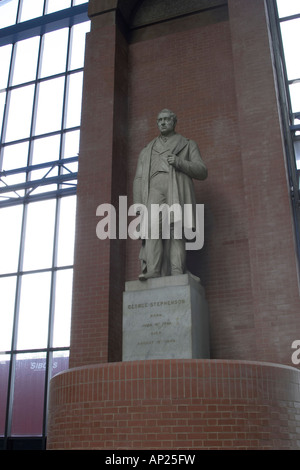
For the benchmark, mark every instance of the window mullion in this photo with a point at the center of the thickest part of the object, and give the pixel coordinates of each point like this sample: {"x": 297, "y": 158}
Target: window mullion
{"x": 11, "y": 382}
{"x": 19, "y": 12}
{"x": 7, "y": 100}
{"x": 35, "y": 99}
{"x": 51, "y": 315}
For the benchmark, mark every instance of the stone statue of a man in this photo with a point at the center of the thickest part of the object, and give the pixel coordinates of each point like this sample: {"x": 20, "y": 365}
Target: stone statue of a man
{"x": 164, "y": 175}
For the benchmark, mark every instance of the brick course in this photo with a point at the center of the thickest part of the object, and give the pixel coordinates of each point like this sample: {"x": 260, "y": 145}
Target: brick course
{"x": 176, "y": 404}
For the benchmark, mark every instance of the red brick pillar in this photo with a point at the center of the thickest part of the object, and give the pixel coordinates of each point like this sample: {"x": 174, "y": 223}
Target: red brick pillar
{"x": 96, "y": 334}
{"x": 273, "y": 261}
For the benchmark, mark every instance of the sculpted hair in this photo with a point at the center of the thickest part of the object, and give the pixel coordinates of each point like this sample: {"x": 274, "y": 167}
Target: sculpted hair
{"x": 173, "y": 115}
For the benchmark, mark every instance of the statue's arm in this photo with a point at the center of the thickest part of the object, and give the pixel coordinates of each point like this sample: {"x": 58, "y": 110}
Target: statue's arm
{"x": 194, "y": 167}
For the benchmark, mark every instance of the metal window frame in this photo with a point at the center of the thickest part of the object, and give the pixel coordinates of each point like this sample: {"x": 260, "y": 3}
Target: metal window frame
{"x": 44, "y": 24}
{"x": 287, "y": 116}
{"x": 65, "y": 186}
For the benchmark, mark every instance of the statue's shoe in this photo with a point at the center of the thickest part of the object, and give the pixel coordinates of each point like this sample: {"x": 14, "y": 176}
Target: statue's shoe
{"x": 144, "y": 277}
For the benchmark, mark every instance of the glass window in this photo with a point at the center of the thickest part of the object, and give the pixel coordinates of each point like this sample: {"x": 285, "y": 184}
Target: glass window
{"x": 62, "y": 312}
{"x": 56, "y": 5}
{"x": 45, "y": 149}
{"x": 2, "y": 107}
{"x": 71, "y": 144}
{"x": 54, "y": 57}
{"x": 66, "y": 233}
{"x": 290, "y": 36}
{"x": 50, "y": 106}
{"x": 297, "y": 153}
{"x": 38, "y": 249}
{"x": 26, "y": 56}
{"x": 73, "y": 112}
{"x": 78, "y": 45}
{"x": 60, "y": 362}
{"x": 29, "y": 389}
{"x": 288, "y": 7}
{"x": 7, "y": 296}
{"x": 15, "y": 156}
{"x": 295, "y": 97}
{"x": 19, "y": 113}
{"x": 5, "y": 55}
{"x": 11, "y": 220}
{"x": 34, "y": 311}
{"x": 79, "y": 2}
{"x": 31, "y": 9}
{"x": 8, "y": 12}
{"x": 4, "y": 372}
{"x": 40, "y": 111}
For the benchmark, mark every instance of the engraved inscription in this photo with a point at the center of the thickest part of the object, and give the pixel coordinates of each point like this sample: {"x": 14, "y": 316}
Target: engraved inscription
{"x": 152, "y": 325}
{"x": 156, "y": 323}
{"x": 156, "y": 304}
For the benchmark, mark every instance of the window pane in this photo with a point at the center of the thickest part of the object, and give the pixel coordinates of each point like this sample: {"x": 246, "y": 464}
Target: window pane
{"x": 78, "y": 44}
{"x": 8, "y": 12}
{"x": 5, "y": 55}
{"x": 20, "y": 112}
{"x": 55, "y": 5}
{"x": 60, "y": 362}
{"x": 34, "y": 311}
{"x": 10, "y": 230}
{"x": 7, "y": 296}
{"x": 50, "y": 104}
{"x": 26, "y": 55}
{"x": 38, "y": 248}
{"x": 71, "y": 144}
{"x": 66, "y": 234}
{"x": 79, "y": 2}
{"x": 63, "y": 304}
{"x": 297, "y": 153}
{"x": 295, "y": 97}
{"x": 15, "y": 156}
{"x": 290, "y": 36}
{"x": 4, "y": 371}
{"x": 45, "y": 150}
{"x": 2, "y": 106}
{"x": 288, "y": 7}
{"x": 54, "y": 52}
{"x": 74, "y": 99}
{"x": 28, "y": 400}
{"x": 31, "y": 9}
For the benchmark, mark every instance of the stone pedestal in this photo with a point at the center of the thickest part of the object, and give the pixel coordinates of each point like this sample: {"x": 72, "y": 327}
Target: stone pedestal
{"x": 165, "y": 318}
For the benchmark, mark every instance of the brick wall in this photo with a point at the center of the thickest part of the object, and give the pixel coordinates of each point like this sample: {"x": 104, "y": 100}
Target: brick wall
{"x": 175, "y": 404}
{"x": 219, "y": 78}
{"x": 99, "y": 270}
{"x": 215, "y": 71}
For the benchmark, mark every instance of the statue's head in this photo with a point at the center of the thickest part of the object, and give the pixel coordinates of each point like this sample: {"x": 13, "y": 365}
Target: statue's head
{"x": 166, "y": 121}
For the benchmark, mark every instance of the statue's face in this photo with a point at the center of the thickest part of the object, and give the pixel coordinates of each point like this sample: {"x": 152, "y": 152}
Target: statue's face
{"x": 165, "y": 123}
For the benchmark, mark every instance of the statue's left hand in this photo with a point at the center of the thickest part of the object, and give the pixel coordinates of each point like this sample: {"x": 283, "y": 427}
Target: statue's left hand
{"x": 172, "y": 159}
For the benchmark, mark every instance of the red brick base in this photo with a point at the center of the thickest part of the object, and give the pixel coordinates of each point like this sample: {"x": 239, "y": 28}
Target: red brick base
{"x": 176, "y": 404}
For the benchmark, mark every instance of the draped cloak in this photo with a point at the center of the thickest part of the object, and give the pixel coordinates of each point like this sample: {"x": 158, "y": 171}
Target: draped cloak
{"x": 189, "y": 165}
